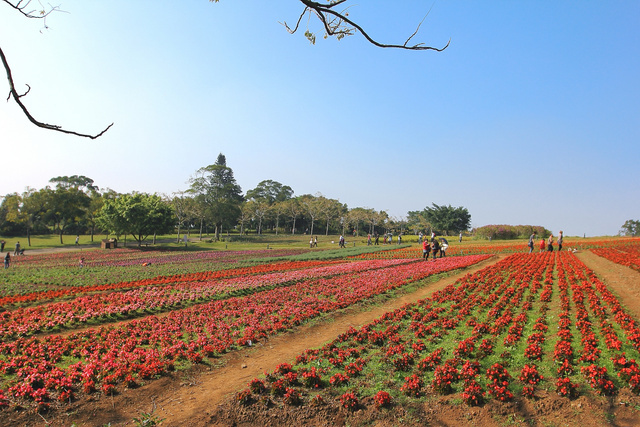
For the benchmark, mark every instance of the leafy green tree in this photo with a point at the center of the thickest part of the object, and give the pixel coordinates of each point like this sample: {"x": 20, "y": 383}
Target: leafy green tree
{"x": 277, "y": 210}
{"x": 11, "y": 220}
{"x": 417, "y": 222}
{"x": 246, "y": 214}
{"x": 219, "y": 193}
{"x": 80, "y": 182}
{"x": 312, "y": 206}
{"x": 270, "y": 192}
{"x": 630, "y": 228}
{"x": 64, "y": 206}
{"x": 447, "y": 219}
{"x": 181, "y": 205}
{"x": 330, "y": 209}
{"x": 294, "y": 210}
{"x": 138, "y": 214}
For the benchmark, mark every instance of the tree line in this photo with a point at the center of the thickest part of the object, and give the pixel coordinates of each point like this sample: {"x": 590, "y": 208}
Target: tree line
{"x": 213, "y": 203}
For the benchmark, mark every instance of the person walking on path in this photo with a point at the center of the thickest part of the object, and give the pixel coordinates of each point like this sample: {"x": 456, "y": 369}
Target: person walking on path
{"x": 460, "y": 238}
{"x": 77, "y": 239}
{"x": 377, "y": 240}
{"x": 17, "y": 251}
{"x": 315, "y": 242}
{"x": 560, "y": 240}
{"x": 341, "y": 241}
{"x": 550, "y": 244}
{"x": 444, "y": 244}
{"x": 369, "y": 239}
{"x": 532, "y": 239}
{"x": 7, "y": 260}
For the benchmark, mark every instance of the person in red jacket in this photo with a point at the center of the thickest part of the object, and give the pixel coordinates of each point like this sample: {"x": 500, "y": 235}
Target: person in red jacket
{"x": 426, "y": 248}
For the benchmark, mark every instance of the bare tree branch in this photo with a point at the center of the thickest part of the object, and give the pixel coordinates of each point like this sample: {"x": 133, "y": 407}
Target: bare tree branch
{"x": 21, "y": 6}
{"x": 17, "y": 97}
{"x": 338, "y": 24}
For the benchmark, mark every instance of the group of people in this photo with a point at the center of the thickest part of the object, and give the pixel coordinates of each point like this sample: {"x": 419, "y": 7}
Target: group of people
{"x": 545, "y": 245}
{"x": 313, "y": 242}
{"x": 434, "y": 246}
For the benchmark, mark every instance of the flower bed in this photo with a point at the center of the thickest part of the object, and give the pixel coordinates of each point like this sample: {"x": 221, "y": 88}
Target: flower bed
{"x": 40, "y": 370}
{"x": 526, "y": 323}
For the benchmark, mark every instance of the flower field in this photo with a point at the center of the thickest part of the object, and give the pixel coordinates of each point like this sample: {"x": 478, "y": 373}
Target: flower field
{"x": 204, "y": 315}
{"x": 527, "y": 325}
{"x": 627, "y": 254}
{"x": 60, "y": 270}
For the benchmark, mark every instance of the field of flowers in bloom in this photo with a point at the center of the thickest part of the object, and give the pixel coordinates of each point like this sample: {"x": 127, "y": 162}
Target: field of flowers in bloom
{"x": 53, "y": 271}
{"x": 527, "y": 323}
{"x": 625, "y": 253}
{"x": 206, "y": 314}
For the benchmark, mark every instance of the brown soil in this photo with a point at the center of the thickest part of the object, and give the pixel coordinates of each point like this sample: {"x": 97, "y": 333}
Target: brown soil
{"x": 202, "y": 395}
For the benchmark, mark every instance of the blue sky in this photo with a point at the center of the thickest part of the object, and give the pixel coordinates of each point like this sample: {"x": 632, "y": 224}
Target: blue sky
{"x": 531, "y": 116}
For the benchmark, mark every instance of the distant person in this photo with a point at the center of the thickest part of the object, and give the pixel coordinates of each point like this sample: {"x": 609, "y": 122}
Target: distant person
{"x": 550, "y": 244}
{"x": 369, "y": 239}
{"x": 542, "y": 245}
{"x": 77, "y": 240}
{"x": 310, "y": 243}
{"x": 420, "y": 237}
{"x": 444, "y": 245}
{"x": 377, "y": 239}
{"x": 315, "y": 242}
{"x": 532, "y": 239}
{"x": 399, "y": 239}
{"x": 7, "y": 260}
{"x": 341, "y": 241}
{"x": 17, "y": 251}
{"x": 81, "y": 263}
{"x": 2, "y": 243}
{"x": 460, "y": 237}
{"x": 426, "y": 248}
{"x": 560, "y": 237}
{"x": 435, "y": 247}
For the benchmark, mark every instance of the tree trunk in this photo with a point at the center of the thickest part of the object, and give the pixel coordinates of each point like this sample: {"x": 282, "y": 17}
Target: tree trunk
{"x": 293, "y": 228}
{"x": 200, "y": 229}
{"x": 178, "y": 239}
{"x": 277, "y": 223}
{"x": 61, "y": 237}
{"x": 154, "y": 238}
{"x": 28, "y": 237}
